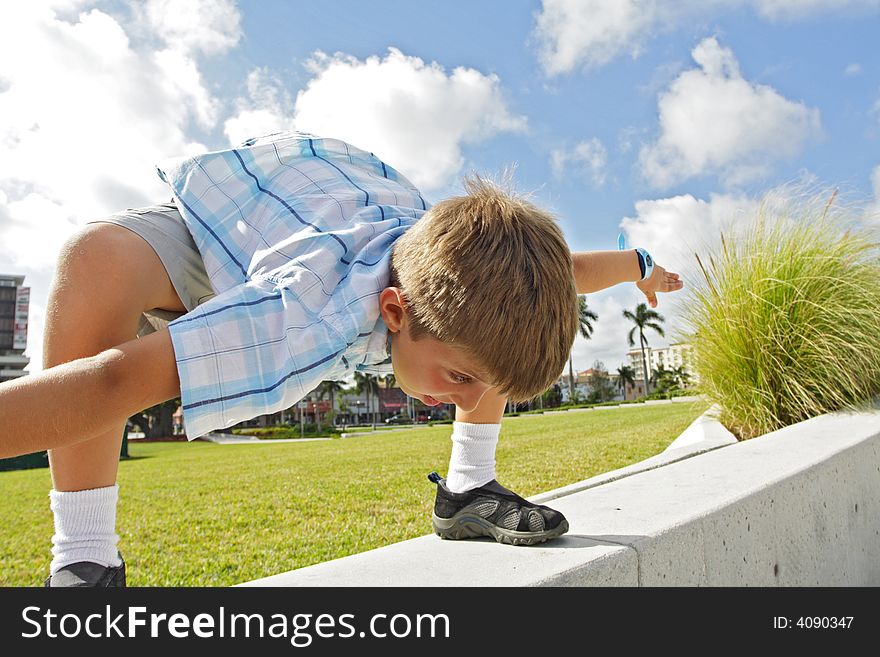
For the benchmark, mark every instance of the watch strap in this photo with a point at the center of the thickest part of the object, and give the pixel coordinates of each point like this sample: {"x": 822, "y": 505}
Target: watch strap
{"x": 646, "y": 263}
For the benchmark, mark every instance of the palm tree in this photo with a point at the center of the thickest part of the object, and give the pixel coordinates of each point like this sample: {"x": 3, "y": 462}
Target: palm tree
{"x": 644, "y": 318}
{"x": 625, "y": 374}
{"x": 662, "y": 378}
{"x": 344, "y": 408}
{"x": 585, "y": 315}
{"x": 682, "y": 376}
{"x": 367, "y": 383}
{"x": 329, "y": 389}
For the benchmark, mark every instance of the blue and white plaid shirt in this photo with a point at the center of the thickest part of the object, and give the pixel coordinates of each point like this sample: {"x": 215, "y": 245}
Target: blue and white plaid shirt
{"x": 296, "y": 234}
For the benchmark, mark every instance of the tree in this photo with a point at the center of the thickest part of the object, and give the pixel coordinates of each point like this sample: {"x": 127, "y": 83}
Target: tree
{"x": 601, "y": 388}
{"x": 328, "y": 389}
{"x": 682, "y": 376}
{"x": 644, "y": 318}
{"x": 663, "y": 379}
{"x": 341, "y": 404}
{"x": 368, "y": 383}
{"x": 625, "y": 374}
{"x": 585, "y": 315}
{"x": 552, "y": 396}
{"x": 157, "y": 421}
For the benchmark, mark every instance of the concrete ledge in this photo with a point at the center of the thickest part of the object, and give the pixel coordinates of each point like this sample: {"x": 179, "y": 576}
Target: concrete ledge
{"x": 705, "y": 431}
{"x": 799, "y": 506}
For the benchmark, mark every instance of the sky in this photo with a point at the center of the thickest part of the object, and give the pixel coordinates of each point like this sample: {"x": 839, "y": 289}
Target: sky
{"x": 664, "y": 121}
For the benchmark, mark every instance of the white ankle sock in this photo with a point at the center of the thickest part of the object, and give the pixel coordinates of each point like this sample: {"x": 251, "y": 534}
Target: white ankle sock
{"x": 85, "y": 524}
{"x": 472, "y": 463}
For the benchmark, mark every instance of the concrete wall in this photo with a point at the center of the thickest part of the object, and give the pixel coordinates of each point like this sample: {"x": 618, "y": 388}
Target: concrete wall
{"x": 799, "y": 506}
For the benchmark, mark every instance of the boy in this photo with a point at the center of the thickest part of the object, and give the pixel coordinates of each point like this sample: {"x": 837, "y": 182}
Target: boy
{"x": 281, "y": 263}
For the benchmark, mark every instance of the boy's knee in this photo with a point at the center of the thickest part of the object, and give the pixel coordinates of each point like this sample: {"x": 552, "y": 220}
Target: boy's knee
{"x": 123, "y": 263}
{"x": 91, "y": 245}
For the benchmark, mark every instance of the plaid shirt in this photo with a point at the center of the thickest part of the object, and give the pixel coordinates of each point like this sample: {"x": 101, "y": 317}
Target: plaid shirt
{"x": 296, "y": 234}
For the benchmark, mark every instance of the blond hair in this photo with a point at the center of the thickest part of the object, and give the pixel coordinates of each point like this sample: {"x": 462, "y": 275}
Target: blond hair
{"x": 491, "y": 274}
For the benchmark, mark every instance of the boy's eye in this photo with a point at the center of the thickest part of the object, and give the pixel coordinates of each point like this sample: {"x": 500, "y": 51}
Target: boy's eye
{"x": 458, "y": 378}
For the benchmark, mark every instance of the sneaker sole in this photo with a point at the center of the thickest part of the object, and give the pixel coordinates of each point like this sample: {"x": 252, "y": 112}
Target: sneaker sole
{"x": 469, "y": 525}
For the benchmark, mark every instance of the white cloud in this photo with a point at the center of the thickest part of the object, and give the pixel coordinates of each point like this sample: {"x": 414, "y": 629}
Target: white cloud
{"x": 673, "y": 229}
{"x": 575, "y": 33}
{"x": 852, "y": 70}
{"x": 800, "y": 9}
{"x": 207, "y": 26}
{"x": 268, "y": 108}
{"x": 587, "y": 160}
{"x": 714, "y": 121}
{"x": 592, "y": 32}
{"x": 84, "y": 116}
{"x": 414, "y": 115}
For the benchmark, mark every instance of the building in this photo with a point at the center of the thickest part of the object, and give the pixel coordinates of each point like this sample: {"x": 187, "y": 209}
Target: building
{"x": 671, "y": 357}
{"x": 14, "y": 303}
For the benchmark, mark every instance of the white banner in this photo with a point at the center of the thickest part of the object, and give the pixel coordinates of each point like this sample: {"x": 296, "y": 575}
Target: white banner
{"x": 22, "y": 301}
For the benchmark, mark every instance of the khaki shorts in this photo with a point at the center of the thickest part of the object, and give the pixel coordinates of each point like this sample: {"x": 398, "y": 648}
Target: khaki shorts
{"x": 163, "y": 228}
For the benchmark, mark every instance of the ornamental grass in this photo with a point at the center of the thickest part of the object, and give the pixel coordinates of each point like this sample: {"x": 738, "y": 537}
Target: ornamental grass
{"x": 784, "y": 315}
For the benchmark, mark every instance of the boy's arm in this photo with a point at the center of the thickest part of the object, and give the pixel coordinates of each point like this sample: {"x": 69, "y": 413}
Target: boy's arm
{"x": 75, "y": 401}
{"x": 597, "y": 270}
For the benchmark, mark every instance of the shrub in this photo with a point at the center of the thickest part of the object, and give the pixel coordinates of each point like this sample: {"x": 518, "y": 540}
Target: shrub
{"x": 784, "y": 316}
{"x": 287, "y": 431}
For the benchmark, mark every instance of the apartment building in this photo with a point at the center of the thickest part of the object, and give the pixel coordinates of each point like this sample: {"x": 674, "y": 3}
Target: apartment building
{"x": 671, "y": 357}
{"x": 14, "y": 303}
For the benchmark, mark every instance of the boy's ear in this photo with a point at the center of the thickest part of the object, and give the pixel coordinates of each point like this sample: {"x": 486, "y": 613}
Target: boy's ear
{"x": 392, "y": 306}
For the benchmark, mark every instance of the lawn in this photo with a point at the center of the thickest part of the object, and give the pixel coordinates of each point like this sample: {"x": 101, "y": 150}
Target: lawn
{"x": 201, "y": 514}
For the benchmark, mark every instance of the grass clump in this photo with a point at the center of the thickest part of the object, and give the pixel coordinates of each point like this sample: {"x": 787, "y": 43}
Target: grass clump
{"x": 784, "y": 316}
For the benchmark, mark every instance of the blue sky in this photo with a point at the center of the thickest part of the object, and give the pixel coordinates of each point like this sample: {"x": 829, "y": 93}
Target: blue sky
{"x": 621, "y": 115}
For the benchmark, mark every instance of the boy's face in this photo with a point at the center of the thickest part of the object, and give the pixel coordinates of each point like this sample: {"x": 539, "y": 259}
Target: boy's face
{"x": 427, "y": 369}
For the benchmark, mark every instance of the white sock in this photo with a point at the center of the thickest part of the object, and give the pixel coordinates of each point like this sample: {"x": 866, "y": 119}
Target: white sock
{"x": 472, "y": 463}
{"x": 85, "y": 524}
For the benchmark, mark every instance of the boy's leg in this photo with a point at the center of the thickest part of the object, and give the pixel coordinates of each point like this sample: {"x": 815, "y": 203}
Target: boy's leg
{"x": 470, "y": 502}
{"x": 474, "y": 439}
{"x": 105, "y": 278}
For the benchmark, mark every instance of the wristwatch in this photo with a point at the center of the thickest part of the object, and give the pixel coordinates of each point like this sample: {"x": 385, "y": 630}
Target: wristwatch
{"x": 646, "y": 263}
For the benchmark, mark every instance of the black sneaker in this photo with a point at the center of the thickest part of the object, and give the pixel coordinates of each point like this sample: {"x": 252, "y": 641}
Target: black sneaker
{"x": 88, "y": 574}
{"x": 492, "y": 510}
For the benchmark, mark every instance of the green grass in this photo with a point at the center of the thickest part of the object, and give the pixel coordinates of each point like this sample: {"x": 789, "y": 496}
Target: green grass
{"x": 201, "y": 514}
{"x": 783, "y": 317}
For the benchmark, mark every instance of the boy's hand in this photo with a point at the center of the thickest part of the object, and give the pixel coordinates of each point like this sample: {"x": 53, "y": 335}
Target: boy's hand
{"x": 659, "y": 281}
